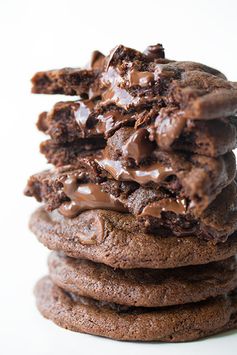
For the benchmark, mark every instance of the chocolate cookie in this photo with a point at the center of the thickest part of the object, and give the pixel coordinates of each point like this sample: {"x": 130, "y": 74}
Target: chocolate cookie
{"x": 143, "y": 287}
{"x": 63, "y": 125}
{"x": 144, "y": 90}
{"x": 170, "y": 324}
{"x": 116, "y": 240}
{"x": 67, "y": 81}
{"x": 170, "y": 200}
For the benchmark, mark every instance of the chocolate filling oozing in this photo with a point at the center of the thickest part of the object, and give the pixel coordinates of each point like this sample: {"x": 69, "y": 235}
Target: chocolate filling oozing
{"x": 199, "y": 178}
{"x": 193, "y": 177}
{"x": 162, "y": 210}
{"x": 143, "y": 151}
{"x": 143, "y": 89}
{"x": 130, "y": 157}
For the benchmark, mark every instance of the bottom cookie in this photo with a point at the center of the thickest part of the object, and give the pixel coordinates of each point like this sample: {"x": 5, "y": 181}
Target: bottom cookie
{"x": 169, "y": 324}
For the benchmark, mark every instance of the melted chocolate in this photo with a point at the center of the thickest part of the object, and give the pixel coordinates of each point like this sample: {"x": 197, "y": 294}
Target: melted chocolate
{"x": 86, "y": 197}
{"x": 111, "y": 82}
{"x": 138, "y": 146}
{"x": 119, "y": 96}
{"x": 154, "y": 209}
{"x": 83, "y": 112}
{"x": 111, "y": 78}
{"x": 155, "y": 172}
{"x": 111, "y": 120}
{"x": 104, "y": 123}
{"x": 167, "y": 129}
{"x": 137, "y": 78}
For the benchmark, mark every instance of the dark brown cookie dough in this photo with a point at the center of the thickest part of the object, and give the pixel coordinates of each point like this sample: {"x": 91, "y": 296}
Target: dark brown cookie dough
{"x": 171, "y": 324}
{"x": 116, "y": 240}
{"x": 67, "y": 81}
{"x": 62, "y": 154}
{"x": 143, "y": 287}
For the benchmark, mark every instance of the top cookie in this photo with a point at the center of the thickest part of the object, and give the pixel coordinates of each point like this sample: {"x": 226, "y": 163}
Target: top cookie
{"x": 176, "y": 101}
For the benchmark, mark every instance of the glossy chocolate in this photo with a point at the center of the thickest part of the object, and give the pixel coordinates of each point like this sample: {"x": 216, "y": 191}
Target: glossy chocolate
{"x": 167, "y": 129}
{"x": 154, "y": 209}
{"x": 138, "y": 146}
{"x": 110, "y": 120}
{"x": 86, "y": 197}
{"x": 83, "y": 112}
{"x": 140, "y": 78}
{"x": 155, "y": 172}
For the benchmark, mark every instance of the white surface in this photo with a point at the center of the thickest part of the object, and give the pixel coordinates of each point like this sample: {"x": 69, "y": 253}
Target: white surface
{"x": 48, "y": 34}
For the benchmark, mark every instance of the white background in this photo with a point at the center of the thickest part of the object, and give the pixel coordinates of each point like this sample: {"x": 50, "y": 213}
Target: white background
{"x": 40, "y": 35}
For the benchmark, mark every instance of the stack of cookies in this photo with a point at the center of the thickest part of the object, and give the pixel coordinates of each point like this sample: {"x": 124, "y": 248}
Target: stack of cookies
{"x": 140, "y": 208}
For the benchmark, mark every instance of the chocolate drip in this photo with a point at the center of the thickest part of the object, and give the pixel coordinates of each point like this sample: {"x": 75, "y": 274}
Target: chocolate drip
{"x": 111, "y": 120}
{"x": 138, "y": 146}
{"x": 86, "y": 197}
{"x": 137, "y": 78}
{"x": 154, "y": 209}
{"x": 155, "y": 172}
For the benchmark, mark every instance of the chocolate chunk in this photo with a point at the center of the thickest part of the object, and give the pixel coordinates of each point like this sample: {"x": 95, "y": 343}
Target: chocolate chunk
{"x": 155, "y": 52}
{"x": 97, "y": 61}
{"x": 138, "y": 146}
{"x": 121, "y": 54}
